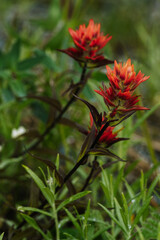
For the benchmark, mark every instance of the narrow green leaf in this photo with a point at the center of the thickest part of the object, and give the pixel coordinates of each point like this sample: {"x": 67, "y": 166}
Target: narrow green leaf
{"x": 139, "y": 233}
{"x": 109, "y": 236}
{"x": 31, "y": 209}
{"x": 152, "y": 186}
{"x": 129, "y": 189}
{"x": 118, "y": 180}
{"x": 120, "y": 215}
{"x": 87, "y": 212}
{"x": 51, "y": 165}
{"x": 57, "y": 162}
{"x": 108, "y": 187}
{"x": 125, "y": 205}
{"x": 45, "y": 191}
{"x": 10, "y": 161}
{"x": 71, "y": 237}
{"x": 72, "y": 198}
{"x": 112, "y": 217}
{"x": 102, "y": 230}
{"x": 1, "y": 236}
{"x": 33, "y": 224}
{"x": 107, "y": 194}
{"x": 96, "y": 220}
{"x": 140, "y": 213}
{"x": 74, "y": 220}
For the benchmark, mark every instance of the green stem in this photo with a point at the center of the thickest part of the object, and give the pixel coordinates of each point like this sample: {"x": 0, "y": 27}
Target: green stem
{"x": 56, "y": 221}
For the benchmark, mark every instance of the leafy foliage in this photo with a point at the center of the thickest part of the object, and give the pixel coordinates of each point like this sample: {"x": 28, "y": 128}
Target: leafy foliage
{"x": 105, "y": 192}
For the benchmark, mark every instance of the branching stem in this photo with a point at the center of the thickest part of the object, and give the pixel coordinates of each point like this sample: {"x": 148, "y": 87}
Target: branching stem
{"x": 41, "y": 138}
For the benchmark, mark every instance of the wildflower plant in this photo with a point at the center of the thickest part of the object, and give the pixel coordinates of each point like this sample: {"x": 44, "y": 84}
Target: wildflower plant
{"x": 58, "y": 187}
{"x": 88, "y": 42}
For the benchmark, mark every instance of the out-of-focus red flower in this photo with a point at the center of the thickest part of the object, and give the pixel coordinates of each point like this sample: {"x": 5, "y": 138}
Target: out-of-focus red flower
{"x": 88, "y": 41}
{"x": 108, "y": 137}
{"x": 123, "y": 82}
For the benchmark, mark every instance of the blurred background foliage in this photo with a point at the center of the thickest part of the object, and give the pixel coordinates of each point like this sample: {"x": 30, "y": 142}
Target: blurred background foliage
{"x": 30, "y": 33}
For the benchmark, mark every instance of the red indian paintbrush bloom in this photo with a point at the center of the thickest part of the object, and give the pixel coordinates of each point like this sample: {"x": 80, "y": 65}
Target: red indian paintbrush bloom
{"x": 123, "y": 77}
{"x": 88, "y": 41}
{"x": 108, "y": 137}
{"x": 123, "y": 82}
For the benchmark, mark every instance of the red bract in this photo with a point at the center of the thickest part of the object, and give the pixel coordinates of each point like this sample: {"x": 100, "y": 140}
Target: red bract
{"x": 123, "y": 82}
{"x": 108, "y": 137}
{"x": 88, "y": 41}
{"x": 123, "y": 77}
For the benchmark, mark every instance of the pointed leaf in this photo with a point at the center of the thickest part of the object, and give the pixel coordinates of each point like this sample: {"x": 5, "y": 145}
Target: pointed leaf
{"x": 103, "y": 229}
{"x": 87, "y": 143}
{"x": 120, "y": 215}
{"x": 152, "y": 186}
{"x": 72, "y": 198}
{"x": 140, "y": 212}
{"x": 73, "y": 124}
{"x": 121, "y": 119}
{"x": 1, "y": 236}
{"x": 74, "y": 220}
{"x": 104, "y": 152}
{"x": 99, "y": 63}
{"x": 93, "y": 110}
{"x": 104, "y": 166}
{"x": 31, "y": 209}
{"x": 51, "y": 165}
{"x": 112, "y": 217}
{"x": 51, "y": 101}
{"x": 33, "y": 224}
{"x": 47, "y": 194}
{"x": 87, "y": 212}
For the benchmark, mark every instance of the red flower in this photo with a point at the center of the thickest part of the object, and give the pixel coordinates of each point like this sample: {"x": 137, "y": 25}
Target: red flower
{"x": 88, "y": 41}
{"x": 123, "y": 77}
{"x": 123, "y": 82}
{"x": 108, "y": 137}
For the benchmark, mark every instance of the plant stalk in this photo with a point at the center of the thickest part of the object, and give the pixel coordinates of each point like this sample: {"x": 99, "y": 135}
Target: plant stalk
{"x": 41, "y": 138}
{"x": 80, "y": 162}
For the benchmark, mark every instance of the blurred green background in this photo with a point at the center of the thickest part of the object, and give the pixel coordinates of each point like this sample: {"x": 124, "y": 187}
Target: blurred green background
{"x": 30, "y": 33}
{"x": 134, "y": 25}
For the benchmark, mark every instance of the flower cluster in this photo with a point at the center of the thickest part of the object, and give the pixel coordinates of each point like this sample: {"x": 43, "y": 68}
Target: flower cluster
{"x": 120, "y": 97}
{"x": 88, "y": 42}
{"x": 108, "y": 137}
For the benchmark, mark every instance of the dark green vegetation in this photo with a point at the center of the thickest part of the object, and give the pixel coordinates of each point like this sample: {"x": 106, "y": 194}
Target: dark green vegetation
{"x": 123, "y": 200}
